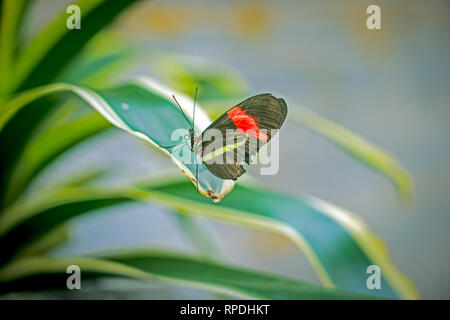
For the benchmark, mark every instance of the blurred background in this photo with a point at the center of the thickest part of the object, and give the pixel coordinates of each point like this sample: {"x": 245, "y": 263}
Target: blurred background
{"x": 391, "y": 86}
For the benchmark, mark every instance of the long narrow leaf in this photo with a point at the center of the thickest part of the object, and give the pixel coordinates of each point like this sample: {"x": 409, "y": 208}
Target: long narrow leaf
{"x": 42, "y": 273}
{"x": 52, "y": 143}
{"x": 15, "y": 135}
{"x": 339, "y": 246}
{"x": 337, "y": 243}
{"x": 103, "y": 60}
{"x": 32, "y": 218}
{"x": 58, "y": 235}
{"x": 51, "y": 240}
{"x": 56, "y": 45}
{"x": 11, "y": 13}
{"x": 360, "y": 148}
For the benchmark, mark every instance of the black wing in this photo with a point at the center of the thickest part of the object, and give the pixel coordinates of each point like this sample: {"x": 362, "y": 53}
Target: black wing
{"x": 254, "y": 118}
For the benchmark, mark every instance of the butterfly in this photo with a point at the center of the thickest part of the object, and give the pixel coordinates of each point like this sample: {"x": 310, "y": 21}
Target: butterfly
{"x": 238, "y": 134}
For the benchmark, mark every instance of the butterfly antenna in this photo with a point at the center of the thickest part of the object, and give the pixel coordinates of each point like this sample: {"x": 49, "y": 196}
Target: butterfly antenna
{"x": 195, "y": 101}
{"x": 193, "y": 124}
{"x": 181, "y": 109}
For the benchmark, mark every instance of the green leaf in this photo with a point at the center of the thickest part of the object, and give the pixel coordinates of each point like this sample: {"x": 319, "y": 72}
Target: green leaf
{"x": 39, "y": 273}
{"x": 145, "y": 109}
{"x": 11, "y": 13}
{"x": 32, "y": 218}
{"x": 360, "y": 148}
{"x": 82, "y": 179}
{"x": 338, "y": 245}
{"x": 56, "y": 45}
{"x": 103, "y": 61}
{"x": 19, "y": 130}
{"x": 51, "y": 240}
{"x": 201, "y": 240}
{"x": 37, "y": 221}
{"x": 53, "y": 142}
{"x": 204, "y": 242}
{"x": 218, "y": 84}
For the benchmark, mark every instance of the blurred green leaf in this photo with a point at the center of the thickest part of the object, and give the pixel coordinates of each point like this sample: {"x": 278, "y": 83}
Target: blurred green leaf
{"x": 10, "y": 15}
{"x": 98, "y": 72}
{"x": 337, "y": 243}
{"x": 51, "y": 240}
{"x": 103, "y": 60}
{"x": 42, "y": 273}
{"x": 218, "y": 84}
{"x": 56, "y": 45}
{"x": 44, "y": 149}
{"x": 84, "y": 178}
{"x": 200, "y": 238}
{"x": 19, "y": 130}
{"x": 32, "y": 218}
{"x": 203, "y": 241}
{"x": 51, "y": 234}
{"x": 360, "y": 148}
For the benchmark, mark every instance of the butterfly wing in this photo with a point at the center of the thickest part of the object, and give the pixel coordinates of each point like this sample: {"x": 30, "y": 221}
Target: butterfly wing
{"x": 239, "y": 128}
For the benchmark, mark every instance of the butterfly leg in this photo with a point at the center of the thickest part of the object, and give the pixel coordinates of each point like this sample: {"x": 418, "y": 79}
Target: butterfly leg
{"x": 196, "y": 174}
{"x": 173, "y": 146}
{"x": 168, "y": 147}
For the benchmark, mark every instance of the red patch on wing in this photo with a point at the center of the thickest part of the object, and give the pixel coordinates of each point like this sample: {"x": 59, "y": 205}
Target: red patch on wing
{"x": 246, "y": 123}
